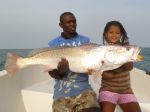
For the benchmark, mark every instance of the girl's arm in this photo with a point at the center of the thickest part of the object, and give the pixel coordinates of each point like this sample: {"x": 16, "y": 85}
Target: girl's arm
{"x": 110, "y": 73}
{"x": 125, "y": 67}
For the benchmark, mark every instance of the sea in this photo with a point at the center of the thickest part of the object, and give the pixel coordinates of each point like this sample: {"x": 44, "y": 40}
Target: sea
{"x": 143, "y": 65}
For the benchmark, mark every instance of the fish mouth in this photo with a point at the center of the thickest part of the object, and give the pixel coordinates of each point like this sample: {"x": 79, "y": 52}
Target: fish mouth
{"x": 137, "y": 56}
{"x": 140, "y": 57}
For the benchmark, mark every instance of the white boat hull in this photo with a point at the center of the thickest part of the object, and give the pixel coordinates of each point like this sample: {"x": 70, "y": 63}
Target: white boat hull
{"x": 31, "y": 90}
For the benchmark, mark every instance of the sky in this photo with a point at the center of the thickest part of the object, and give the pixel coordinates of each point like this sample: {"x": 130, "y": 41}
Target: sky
{"x": 26, "y": 24}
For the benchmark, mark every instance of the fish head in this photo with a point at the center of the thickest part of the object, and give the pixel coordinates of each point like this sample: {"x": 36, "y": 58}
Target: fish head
{"x": 123, "y": 54}
{"x": 135, "y": 53}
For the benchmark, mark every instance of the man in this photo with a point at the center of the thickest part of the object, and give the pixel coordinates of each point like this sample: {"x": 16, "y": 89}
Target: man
{"x": 72, "y": 92}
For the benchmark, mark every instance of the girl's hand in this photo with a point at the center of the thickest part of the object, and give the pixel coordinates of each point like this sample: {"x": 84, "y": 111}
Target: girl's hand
{"x": 128, "y": 66}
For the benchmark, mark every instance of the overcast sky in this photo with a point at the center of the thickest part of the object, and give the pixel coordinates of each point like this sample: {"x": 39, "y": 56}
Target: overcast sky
{"x": 32, "y": 23}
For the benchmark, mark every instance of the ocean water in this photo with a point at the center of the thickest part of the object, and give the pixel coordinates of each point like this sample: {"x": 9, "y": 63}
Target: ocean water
{"x": 143, "y": 65}
{"x": 3, "y": 54}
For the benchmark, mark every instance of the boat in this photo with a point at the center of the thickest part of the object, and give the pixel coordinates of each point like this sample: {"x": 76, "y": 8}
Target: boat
{"x": 31, "y": 90}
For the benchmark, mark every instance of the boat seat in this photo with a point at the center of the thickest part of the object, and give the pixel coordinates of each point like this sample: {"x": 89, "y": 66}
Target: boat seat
{"x": 38, "y": 97}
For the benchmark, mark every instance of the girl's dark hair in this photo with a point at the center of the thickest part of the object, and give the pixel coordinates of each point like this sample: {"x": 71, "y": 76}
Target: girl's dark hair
{"x": 124, "y": 39}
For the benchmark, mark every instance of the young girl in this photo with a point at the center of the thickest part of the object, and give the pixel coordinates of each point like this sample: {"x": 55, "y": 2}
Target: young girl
{"x": 115, "y": 86}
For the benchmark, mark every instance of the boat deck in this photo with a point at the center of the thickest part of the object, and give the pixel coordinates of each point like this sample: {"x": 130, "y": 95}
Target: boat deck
{"x": 33, "y": 91}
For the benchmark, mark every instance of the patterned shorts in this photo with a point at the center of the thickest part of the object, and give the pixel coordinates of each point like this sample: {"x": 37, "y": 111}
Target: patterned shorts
{"x": 116, "y": 98}
{"x": 84, "y": 100}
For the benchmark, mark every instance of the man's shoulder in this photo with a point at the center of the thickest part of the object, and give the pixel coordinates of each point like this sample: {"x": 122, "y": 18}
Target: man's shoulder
{"x": 83, "y": 38}
{"x": 54, "y": 41}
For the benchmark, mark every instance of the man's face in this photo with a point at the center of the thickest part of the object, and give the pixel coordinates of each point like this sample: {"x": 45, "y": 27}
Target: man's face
{"x": 68, "y": 24}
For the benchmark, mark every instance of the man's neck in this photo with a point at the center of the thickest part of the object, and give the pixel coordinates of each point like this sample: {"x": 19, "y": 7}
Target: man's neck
{"x": 68, "y": 36}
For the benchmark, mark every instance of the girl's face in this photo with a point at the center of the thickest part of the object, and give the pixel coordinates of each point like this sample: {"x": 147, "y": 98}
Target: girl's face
{"x": 113, "y": 35}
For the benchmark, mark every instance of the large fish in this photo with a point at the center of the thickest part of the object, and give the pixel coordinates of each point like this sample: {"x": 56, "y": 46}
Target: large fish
{"x": 81, "y": 59}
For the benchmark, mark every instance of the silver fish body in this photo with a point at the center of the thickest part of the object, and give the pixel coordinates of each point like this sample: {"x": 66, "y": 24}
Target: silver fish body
{"x": 81, "y": 58}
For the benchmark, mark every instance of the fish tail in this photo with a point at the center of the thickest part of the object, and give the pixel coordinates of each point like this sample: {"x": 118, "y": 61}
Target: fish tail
{"x": 11, "y": 65}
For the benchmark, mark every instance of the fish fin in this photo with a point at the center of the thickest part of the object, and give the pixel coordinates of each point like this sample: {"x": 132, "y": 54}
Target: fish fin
{"x": 11, "y": 63}
{"x": 90, "y": 45}
{"x": 96, "y": 76}
{"x": 37, "y": 51}
{"x": 95, "y": 81}
{"x": 40, "y": 50}
{"x": 90, "y": 71}
{"x": 46, "y": 49}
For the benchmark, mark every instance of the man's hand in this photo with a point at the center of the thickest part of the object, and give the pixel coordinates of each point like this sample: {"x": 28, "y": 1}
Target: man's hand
{"x": 63, "y": 66}
{"x": 55, "y": 74}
